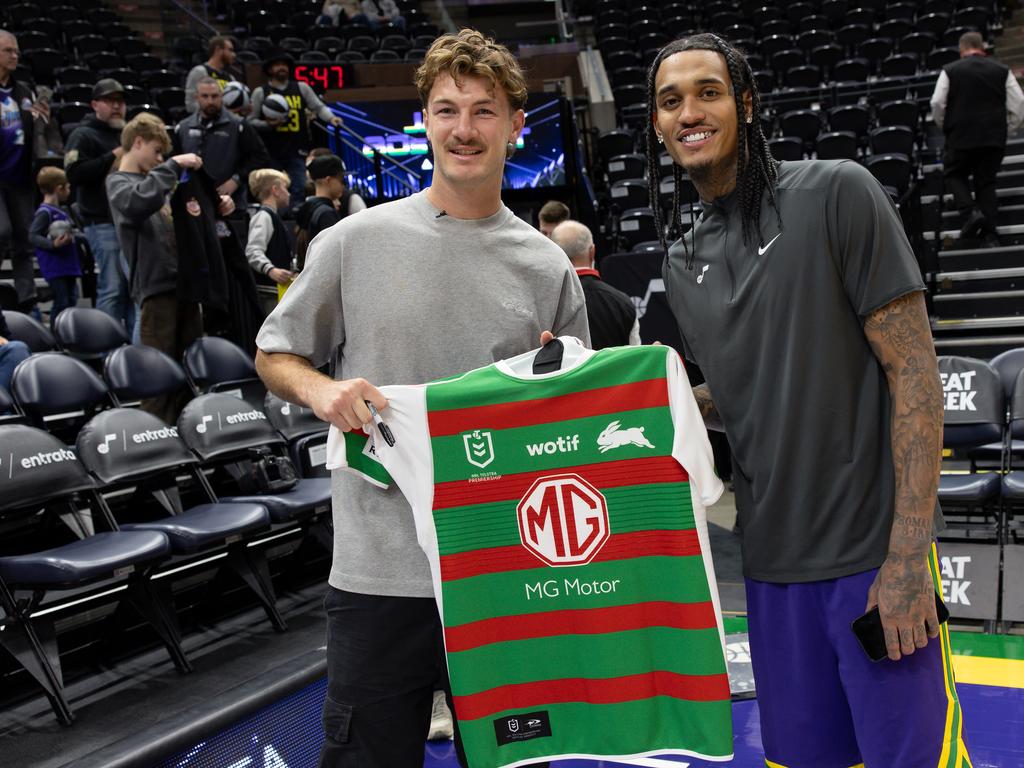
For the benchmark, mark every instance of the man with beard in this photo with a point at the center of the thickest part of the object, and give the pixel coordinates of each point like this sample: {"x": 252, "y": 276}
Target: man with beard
{"x": 93, "y": 151}
{"x": 222, "y": 56}
{"x": 288, "y": 139}
{"x": 231, "y": 148}
{"x": 797, "y": 293}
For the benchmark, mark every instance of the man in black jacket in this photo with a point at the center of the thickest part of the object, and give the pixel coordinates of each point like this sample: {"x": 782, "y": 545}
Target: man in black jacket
{"x": 611, "y": 314}
{"x": 93, "y": 151}
{"x": 231, "y": 148}
{"x": 18, "y": 108}
{"x": 976, "y": 102}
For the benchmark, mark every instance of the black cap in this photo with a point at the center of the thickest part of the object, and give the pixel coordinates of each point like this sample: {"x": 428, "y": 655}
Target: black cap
{"x": 107, "y": 87}
{"x": 324, "y": 166}
{"x": 275, "y": 56}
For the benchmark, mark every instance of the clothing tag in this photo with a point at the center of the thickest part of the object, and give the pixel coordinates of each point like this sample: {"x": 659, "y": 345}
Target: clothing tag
{"x": 529, "y": 725}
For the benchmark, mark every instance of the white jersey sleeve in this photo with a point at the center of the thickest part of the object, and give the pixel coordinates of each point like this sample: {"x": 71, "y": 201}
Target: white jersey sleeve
{"x": 691, "y": 447}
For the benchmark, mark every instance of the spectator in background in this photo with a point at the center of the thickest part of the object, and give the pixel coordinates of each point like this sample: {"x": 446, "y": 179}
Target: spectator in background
{"x": 231, "y": 148}
{"x": 976, "y": 102}
{"x": 139, "y": 193}
{"x": 18, "y": 110}
{"x": 287, "y": 139}
{"x": 93, "y": 151}
{"x": 552, "y": 213}
{"x": 11, "y": 353}
{"x": 222, "y": 56}
{"x": 379, "y": 13}
{"x": 611, "y": 314}
{"x": 330, "y": 14}
{"x": 269, "y": 246}
{"x": 53, "y": 237}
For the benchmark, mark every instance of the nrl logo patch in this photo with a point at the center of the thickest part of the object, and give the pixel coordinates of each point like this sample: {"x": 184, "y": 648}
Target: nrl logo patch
{"x": 479, "y": 448}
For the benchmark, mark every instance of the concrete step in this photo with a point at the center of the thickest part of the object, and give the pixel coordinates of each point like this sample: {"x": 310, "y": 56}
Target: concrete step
{"x": 983, "y": 347}
{"x": 979, "y": 304}
{"x": 964, "y": 259}
{"x": 1012, "y": 324}
{"x": 980, "y": 280}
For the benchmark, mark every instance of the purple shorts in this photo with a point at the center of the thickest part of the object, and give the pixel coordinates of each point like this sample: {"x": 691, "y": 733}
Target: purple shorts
{"x": 824, "y": 704}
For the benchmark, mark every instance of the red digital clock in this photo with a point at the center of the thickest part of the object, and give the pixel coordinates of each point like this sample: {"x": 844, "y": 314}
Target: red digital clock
{"x": 322, "y": 77}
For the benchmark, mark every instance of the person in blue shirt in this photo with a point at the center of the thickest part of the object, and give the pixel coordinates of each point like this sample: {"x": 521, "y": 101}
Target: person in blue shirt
{"x": 53, "y": 239}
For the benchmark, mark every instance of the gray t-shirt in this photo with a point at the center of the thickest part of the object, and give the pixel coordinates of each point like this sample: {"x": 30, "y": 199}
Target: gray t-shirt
{"x": 778, "y": 332}
{"x": 411, "y": 297}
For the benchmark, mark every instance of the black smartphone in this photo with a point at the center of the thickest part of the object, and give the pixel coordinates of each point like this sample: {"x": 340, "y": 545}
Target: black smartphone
{"x": 868, "y": 629}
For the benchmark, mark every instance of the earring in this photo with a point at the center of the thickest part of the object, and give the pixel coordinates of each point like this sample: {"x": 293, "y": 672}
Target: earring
{"x": 749, "y": 119}
{"x": 510, "y": 150}
{"x": 661, "y": 139}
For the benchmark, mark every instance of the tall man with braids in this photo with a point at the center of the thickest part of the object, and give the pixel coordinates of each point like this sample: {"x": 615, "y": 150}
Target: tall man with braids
{"x": 798, "y": 295}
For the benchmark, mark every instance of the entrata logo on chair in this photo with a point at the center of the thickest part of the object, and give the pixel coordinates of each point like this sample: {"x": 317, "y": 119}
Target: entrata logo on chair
{"x": 563, "y": 520}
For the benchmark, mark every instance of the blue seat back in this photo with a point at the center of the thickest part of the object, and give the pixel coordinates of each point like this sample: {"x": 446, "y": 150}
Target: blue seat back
{"x": 126, "y": 443}
{"x": 36, "y": 467}
{"x": 88, "y": 333}
{"x": 217, "y": 425}
{"x": 210, "y": 360}
{"x": 51, "y": 382}
{"x": 973, "y": 403}
{"x": 29, "y": 330}
{"x": 136, "y": 371}
{"x": 1017, "y": 408}
{"x": 1009, "y": 364}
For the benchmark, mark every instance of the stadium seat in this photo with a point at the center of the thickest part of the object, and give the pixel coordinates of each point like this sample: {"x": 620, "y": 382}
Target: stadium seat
{"x": 963, "y": 428}
{"x": 155, "y": 462}
{"x": 837, "y": 145}
{"x": 826, "y": 56}
{"x": 940, "y": 57}
{"x": 213, "y": 364}
{"x": 58, "y": 393}
{"x": 305, "y": 434}
{"x": 221, "y": 431}
{"x": 629, "y": 193}
{"x": 636, "y": 225}
{"x": 772, "y": 44}
{"x": 786, "y": 148}
{"x": 364, "y": 44}
{"x": 851, "y": 117}
{"x": 892, "y": 138}
{"x": 135, "y": 372}
{"x": 899, "y": 65}
{"x": 852, "y": 35}
{"x": 895, "y": 28}
{"x": 973, "y": 17}
{"x": 805, "y": 124}
{"x": 29, "y": 330}
{"x": 1013, "y": 480}
{"x": 893, "y": 171}
{"x": 76, "y": 74}
{"x": 621, "y": 167}
{"x": 1008, "y": 365}
{"x": 933, "y": 24}
{"x": 919, "y": 43}
{"x": 46, "y": 498}
{"x": 813, "y": 38}
{"x": 901, "y": 112}
{"x": 73, "y": 112}
{"x": 88, "y": 334}
{"x": 169, "y": 98}
{"x": 765, "y": 79}
{"x": 786, "y": 59}
{"x": 397, "y": 43}
{"x": 805, "y": 76}
{"x": 614, "y": 143}
{"x": 628, "y": 76}
{"x": 852, "y": 70}
{"x": 776, "y": 27}
{"x": 384, "y": 56}
{"x": 873, "y": 50}
{"x": 130, "y": 46}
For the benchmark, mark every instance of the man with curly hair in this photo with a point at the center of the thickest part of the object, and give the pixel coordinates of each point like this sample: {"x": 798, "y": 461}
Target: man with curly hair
{"x": 443, "y": 281}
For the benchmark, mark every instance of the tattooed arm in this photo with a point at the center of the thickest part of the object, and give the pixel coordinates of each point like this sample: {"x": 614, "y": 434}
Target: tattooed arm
{"x": 712, "y": 420}
{"x": 900, "y": 336}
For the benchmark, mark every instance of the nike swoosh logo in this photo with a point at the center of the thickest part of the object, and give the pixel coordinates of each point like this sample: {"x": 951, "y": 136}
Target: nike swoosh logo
{"x": 763, "y": 251}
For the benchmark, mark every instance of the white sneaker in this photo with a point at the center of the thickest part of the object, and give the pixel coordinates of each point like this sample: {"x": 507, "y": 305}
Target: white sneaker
{"x": 440, "y": 719}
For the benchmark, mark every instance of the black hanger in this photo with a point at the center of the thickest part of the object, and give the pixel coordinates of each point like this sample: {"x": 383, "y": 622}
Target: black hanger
{"x": 548, "y": 357}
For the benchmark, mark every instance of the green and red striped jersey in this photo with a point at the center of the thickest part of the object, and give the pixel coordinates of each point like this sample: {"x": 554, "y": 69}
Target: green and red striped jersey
{"x": 563, "y": 517}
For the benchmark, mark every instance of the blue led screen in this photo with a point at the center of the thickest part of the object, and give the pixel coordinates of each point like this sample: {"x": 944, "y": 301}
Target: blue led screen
{"x": 395, "y": 129}
{"x": 286, "y": 734}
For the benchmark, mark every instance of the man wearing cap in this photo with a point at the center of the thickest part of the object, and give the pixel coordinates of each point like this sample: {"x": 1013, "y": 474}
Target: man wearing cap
{"x": 231, "y": 148}
{"x": 332, "y": 201}
{"x": 222, "y": 56}
{"x": 93, "y": 151}
{"x": 288, "y": 139}
{"x": 18, "y": 109}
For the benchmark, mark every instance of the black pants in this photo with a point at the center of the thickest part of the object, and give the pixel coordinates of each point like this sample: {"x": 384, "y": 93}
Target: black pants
{"x": 983, "y": 164}
{"x": 385, "y": 659}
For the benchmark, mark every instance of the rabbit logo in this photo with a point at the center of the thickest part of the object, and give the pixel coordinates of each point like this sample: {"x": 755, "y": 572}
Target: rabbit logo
{"x": 613, "y": 436}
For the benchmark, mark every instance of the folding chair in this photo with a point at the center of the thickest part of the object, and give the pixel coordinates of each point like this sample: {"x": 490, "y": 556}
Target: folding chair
{"x": 222, "y": 431}
{"x": 214, "y": 364}
{"x": 29, "y": 330}
{"x": 305, "y": 434}
{"x": 124, "y": 448}
{"x": 973, "y": 416}
{"x": 1012, "y": 490}
{"x": 58, "y": 393}
{"x": 50, "y": 545}
{"x": 88, "y": 334}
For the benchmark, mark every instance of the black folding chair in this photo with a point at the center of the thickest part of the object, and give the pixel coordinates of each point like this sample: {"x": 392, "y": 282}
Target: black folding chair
{"x": 88, "y": 334}
{"x": 214, "y": 364}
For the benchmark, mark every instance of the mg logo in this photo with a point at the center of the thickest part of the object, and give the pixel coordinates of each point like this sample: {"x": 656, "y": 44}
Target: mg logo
{"x": 479, "y": 448}
{"x": 563, "y": 520}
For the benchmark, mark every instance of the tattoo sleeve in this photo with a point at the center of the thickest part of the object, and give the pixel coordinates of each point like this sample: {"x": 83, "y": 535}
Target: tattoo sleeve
{"x": 707, "y": 408}
{"x": 900, "y": 336}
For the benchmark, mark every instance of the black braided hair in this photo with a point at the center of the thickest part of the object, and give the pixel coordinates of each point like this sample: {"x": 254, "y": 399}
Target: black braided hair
{"x": 756, "y": 170}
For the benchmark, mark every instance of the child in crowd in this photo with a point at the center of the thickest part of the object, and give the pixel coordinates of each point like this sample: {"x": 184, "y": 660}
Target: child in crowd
{"x": 52, "y": 236}
{"x": 139, "y": 191}
{"x": 269, "y": 246}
